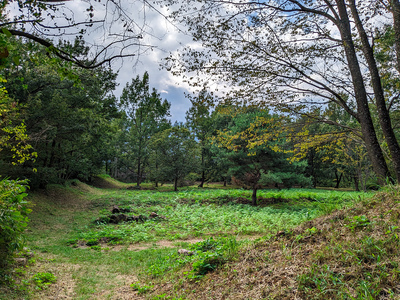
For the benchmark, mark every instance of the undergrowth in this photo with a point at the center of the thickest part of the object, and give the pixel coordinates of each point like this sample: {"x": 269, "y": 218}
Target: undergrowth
{"x": 203, "y": 257}
{"x": 349, "y": 254}
{"x": 71, "y": 245}
{"x": 195, "y": 213}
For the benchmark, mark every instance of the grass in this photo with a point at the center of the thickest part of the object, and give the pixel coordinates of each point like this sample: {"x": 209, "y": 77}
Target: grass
{"x": 113, "y": 261}
{"x": 349, "y": 254}
{"x": 196, "y": 213}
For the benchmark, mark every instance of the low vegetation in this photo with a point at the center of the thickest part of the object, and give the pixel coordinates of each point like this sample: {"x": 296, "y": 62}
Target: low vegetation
{"x": 349, "y": 254}
{"x": 13, "y": 220}
{"x": 198, "y": 242}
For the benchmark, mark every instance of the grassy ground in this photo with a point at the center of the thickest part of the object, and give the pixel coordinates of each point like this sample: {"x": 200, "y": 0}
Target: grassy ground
{"x": 135, "y": 260}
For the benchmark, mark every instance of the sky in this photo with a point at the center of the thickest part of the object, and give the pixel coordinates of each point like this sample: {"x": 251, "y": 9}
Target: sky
{"x": 166, "y": 38}
{"x": 161, "y": 36}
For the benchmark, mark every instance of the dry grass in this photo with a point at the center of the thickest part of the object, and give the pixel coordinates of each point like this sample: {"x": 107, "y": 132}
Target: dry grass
{"x": 350, "y": 254}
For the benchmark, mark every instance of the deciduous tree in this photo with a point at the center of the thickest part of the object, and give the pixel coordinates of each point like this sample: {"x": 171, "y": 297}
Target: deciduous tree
{"x": 114, "y": 29}
{"x": 255, "y": 149}
{"x": 293, "y": 55}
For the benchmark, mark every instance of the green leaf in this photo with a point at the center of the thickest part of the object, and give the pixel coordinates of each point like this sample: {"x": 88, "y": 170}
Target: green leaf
{"x": 6, "y": 32}
{"x": 16, "y": 60}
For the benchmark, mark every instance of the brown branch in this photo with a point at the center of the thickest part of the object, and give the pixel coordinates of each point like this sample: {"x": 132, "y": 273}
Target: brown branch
{"x": 64, "y": 55}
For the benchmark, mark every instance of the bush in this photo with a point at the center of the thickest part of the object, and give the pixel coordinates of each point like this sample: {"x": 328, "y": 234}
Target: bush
{"x": 43, "y": 280}
{"x": 13, "y": 219}
{"x": 212, "y": 253}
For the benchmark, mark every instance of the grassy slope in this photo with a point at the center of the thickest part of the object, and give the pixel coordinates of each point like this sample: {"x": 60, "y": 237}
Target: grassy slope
{"x": 62, "y": 214}
{"x": 349, "y": 254}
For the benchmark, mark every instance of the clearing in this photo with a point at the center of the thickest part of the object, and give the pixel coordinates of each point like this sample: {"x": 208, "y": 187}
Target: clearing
{"x": 237, "y": 251}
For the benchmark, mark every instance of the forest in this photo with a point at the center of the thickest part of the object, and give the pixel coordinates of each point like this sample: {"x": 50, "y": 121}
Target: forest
{"x": 293, "y": 122}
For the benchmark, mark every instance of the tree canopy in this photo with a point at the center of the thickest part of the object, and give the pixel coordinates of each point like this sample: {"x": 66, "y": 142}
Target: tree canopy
{"x": 113, "y": 28}
{"x": 146, "y": 114}
{"x": 294, "y": 55}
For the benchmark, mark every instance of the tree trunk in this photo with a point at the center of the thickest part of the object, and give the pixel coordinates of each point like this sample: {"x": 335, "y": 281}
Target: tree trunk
{"x": 46, "y": 156}
{"x": 202, "y": 179}
{"x": 176, "y": 184}
{"x": 52, "y": 155}
{"x": 254, "y": 196}
{"x": 396, "y": 27}
{"x": 311, "y": 165}
{"x": 367, "y": 127}
{"x": 138, "y": 172}
{"x": 202, "y": 166}
{"x": 338, "y": 179}
{"x": 356, "y": 186}
{"x": 115, "y": 173}
{"x": 383, "y": 113}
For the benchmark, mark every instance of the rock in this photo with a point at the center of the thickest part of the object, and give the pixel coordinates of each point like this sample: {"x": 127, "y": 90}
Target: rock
{"x": 139, "y": 218}
{"x": 153, "y": 215}
{"x": 104, "y": 240}
{"x": 27, "y": 253}
{"x": 102, "y": 220}
{"x": 21, "y": 261}
{"x": 185, "y": 252}
{"x": 142, "y": 218}
{"x": 118, "y": 210}
{"x": 115, "y": 219}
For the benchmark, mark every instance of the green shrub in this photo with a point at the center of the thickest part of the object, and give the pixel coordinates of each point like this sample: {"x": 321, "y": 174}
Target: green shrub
{"x": 207, "y": 262}
{"x": 13, "y": 219}
{"x": 42, "y": 280}
{"x": 92, "y": 242}
{"x": 141, "y": 289}
{"x": 212, "y": 253}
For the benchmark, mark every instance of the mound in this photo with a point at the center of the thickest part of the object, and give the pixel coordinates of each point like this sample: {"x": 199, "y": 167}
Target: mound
{"x": 351, "y": 254}
{"x": 105, "y": 183}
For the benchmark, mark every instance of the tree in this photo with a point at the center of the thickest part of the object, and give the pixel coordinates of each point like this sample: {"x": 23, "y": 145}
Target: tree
{"x": 393, "y": 6}
{"x": 115, "y": 31}
{"x": 174, "y": 154}
{"x": 146, "y": 114}
{"x": 331, "y": 151}
{"x": 251, "y": 143}
{"x": 200, "y": 121}
{"x": 376, "y": 82}
{"x": 291, "y": 54}
{"x": 13, "y": 137}
{"x": 14, "y": 209}
{"x": 68, "y": 124}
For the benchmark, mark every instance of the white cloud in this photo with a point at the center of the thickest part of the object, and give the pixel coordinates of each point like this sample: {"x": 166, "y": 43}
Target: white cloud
{"x": 160, "y": 36}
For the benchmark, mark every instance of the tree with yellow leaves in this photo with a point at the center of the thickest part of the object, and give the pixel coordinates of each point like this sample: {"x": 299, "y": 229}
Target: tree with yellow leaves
{"x": 334, "y": 144}
{"x": 13, "y": 137}
{"x": 13, "y": 207}
{"x": 255, "y": 145}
